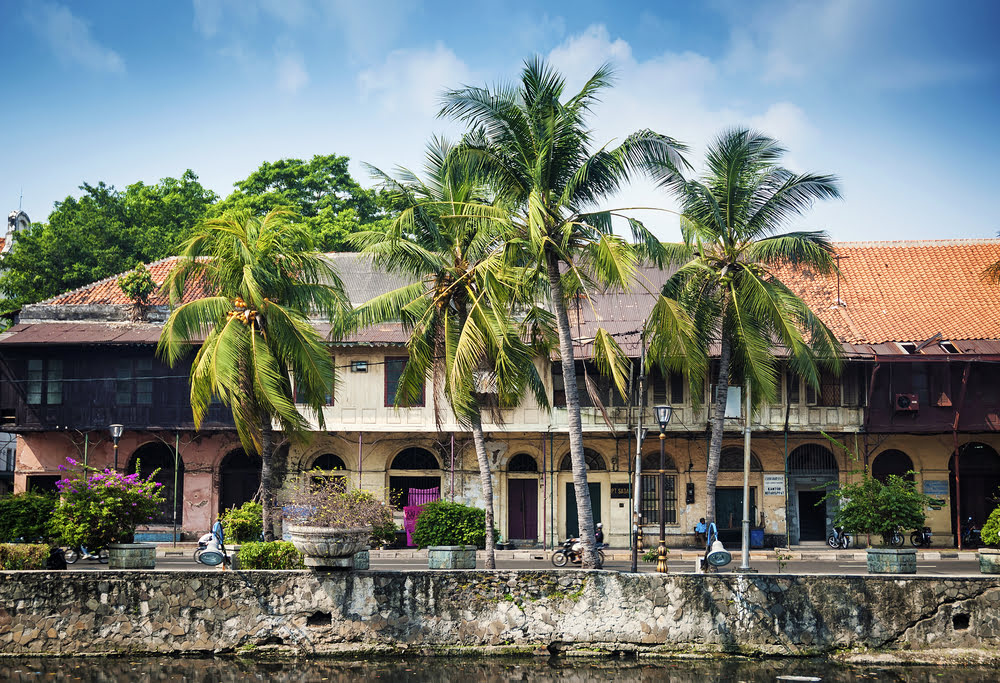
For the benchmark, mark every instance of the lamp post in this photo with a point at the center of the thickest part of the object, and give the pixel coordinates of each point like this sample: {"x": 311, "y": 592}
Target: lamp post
{"x": 663, "y": 414}
{"x": 116, "y": 435}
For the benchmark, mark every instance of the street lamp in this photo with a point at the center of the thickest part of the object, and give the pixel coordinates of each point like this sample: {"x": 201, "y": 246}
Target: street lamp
{"x": 663, "y": 414}
{"x": 116, "y": 435}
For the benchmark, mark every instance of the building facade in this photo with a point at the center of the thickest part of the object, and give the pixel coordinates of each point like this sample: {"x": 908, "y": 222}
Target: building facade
{"x": 919, "y": 385}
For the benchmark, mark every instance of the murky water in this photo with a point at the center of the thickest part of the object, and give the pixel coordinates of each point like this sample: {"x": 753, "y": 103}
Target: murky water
{"x": 442, "y": 669}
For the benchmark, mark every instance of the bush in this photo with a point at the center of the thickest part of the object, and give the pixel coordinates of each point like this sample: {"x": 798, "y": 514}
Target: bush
{"x": 25, "y": 516}
{"x": 871, "y": 507}
{"x": 275, "y": 555}
{"x": 990, "y": 534}
{"x": 443, "y": 523}
{"x": 243, "y": 524}
{"x": 23, "y": 555}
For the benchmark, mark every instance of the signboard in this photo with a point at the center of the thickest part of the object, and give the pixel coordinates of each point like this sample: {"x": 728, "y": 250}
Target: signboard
{"x": 774, "y": 484}
{"x": 936, "y": 487}
{"x": 619, "y": 490}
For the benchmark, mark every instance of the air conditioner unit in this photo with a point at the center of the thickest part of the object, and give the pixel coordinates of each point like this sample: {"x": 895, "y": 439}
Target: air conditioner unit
{"x": 906, "y": 403}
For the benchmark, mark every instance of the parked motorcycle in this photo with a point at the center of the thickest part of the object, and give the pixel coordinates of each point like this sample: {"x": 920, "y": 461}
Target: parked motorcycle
{"x": 565, "y": 553}
{"x": 970, "y": 535}
{"x": 922, "y": 538}
{"x": 839, "y": 539}
{"x": 894, "y": 539}
{"x": 74, "y": 554}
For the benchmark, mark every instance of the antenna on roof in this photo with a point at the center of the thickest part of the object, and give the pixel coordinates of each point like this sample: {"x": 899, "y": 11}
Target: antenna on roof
{"x": 20, "y": 198}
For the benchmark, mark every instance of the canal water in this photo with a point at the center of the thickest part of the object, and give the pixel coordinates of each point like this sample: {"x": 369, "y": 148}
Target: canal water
{"x": 464, "y": 670}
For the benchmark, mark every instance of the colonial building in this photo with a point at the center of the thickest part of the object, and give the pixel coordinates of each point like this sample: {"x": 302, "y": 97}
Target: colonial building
{"x": 921, "y": 338}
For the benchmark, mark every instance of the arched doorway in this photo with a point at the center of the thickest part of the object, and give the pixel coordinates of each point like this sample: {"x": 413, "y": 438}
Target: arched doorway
{"x": 595, "y": 463}
{"x": 414, "y": 478}
{"x": 812, "y": 472}
{"x": 979, "y": 481}
{"x": 890, "y": 462}
{"x": 326, "y": 467}
{"x": 729, "y": 499}
{"x": 158, "y": 455}
{"x": 522, "y": 498}
{"x": 239, "y": 479}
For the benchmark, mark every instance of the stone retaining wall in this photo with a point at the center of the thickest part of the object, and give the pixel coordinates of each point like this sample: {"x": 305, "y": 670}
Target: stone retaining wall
{"x": 379, "y": 611}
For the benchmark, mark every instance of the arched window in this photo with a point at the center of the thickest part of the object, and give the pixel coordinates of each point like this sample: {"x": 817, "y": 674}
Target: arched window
{"x": 592, "y": 458}
{"x": 415, "y": 459}
{"x": 892, "y": 462}
{"x": 328, "y": 461}
{"x": 731, "y": 460}
{"x": 522, "y": 462}
{"x": 159, "y": 456}
{"x": 812, "y": 459}
{"x": 239, "y": 479}
{"x": 651, "y": 462}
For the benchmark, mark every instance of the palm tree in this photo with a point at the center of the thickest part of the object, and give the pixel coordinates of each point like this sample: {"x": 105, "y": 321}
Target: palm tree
{"x": 458, "y": 310}
{"x": 262, "y": 280}
{"x": 727, "y": 281}
{"x": 535, "y": 151}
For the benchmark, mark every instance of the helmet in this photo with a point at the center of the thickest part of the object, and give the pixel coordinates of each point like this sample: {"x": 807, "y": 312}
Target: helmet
{"x": 600, "y": 525}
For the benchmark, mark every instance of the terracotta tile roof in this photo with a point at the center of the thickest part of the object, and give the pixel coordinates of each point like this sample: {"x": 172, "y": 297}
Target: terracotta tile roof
{"x": 107, "y": 291}
{"x": 905, "y": 291}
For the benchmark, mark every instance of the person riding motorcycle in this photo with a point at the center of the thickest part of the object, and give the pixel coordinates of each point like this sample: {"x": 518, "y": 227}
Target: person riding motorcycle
{"x": 578, "y": 546}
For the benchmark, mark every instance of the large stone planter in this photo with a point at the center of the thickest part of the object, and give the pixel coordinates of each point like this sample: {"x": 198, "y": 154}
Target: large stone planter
{"x": 131, "y": 556}
{"x": 451, "y": 557}
{"x": 326, "y": 548}
{"x": 989, "y": 560}
{"x": 892, "y": 560}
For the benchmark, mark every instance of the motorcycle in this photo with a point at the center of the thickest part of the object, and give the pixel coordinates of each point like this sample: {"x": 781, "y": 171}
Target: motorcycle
{"x": 839, "y": 539}
{"x": 565, "y": 553}
{"x": 74, "y": 554}
{"x": 922, "y": 538}
{"x": 894, "y": 539}
{"x": 970, "y": 535}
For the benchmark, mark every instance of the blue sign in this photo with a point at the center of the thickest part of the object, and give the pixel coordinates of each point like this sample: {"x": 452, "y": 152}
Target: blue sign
{"x": 936, "y": 487}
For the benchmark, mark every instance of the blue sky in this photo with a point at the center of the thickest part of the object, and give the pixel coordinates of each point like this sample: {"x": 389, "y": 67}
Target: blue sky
{"x": 899, "y": 98}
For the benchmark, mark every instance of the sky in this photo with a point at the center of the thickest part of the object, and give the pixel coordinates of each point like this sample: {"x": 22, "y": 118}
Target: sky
{"x": 898, "y": 98}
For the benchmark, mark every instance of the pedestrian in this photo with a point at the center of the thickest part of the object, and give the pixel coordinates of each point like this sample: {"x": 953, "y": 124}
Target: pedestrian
{"x": 699, "y": 532}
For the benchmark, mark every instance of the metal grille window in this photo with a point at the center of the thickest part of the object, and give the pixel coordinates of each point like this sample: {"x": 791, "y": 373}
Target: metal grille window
{"x": 650, "y": 503}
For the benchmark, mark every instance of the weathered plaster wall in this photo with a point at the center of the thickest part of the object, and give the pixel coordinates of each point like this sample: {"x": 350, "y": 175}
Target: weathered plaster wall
{"x": 94, "y": 612}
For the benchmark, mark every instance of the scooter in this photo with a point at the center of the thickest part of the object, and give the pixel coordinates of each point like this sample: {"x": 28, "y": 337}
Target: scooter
{"x": 838, "y": 539}
{"x": 970, "y": 535}
{"x": 922, "y": 538}
{"x": 565, "y": 553}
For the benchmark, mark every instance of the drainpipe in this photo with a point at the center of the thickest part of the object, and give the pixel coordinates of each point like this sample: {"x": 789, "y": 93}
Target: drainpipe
{"x": 453, "y": 467}
{"x": 552, "y": 498}
{"x": 545, "y": 490}
{"x": 86, "y": 443}
{"x": 954, "y": 434}
{"x": 745, "y": 544}
{"x": 637, "y": 489}
{"x": 360, "y": 434}
{"x": 177, "y": 457}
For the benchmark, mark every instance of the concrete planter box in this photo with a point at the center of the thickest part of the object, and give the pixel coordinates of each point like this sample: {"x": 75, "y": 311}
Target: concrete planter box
{"x": 326, "y": 548}
{"x": 362, "y": 560}
{"x": 451, "y": 557}
{"x": 131, "y": 556}
{"x": 989, "y": 560}
{"x": 892, "y": 560}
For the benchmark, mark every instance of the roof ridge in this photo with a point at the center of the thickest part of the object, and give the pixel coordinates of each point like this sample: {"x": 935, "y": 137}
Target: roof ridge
{"x": 956, "y": 242}
{"x": 97, "y": 283}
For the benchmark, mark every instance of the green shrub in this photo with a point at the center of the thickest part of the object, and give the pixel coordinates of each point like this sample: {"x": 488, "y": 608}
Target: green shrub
{"x": 244, "y": 523}
{"x": 990, "y": 534}
{"x": 25, "y": 516}
{"x": 275, "y": 555}
{"x": 443, "y": 523}
{"x": 23, "y": 555}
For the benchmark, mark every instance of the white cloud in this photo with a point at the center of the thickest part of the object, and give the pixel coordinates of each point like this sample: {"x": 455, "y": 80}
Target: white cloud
{"x": 292, "y": 75}
{"x": 70, "y": 38}
{"x": 410, "y": 82}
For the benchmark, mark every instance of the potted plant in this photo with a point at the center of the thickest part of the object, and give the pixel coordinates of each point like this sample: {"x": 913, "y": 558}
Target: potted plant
{"x": 868, "y": 506}
{"x": 330, "y": 522}
{"x": 451, "y": 532}
{"x": 102, "y": 508}
{"x": 989, "y": 557}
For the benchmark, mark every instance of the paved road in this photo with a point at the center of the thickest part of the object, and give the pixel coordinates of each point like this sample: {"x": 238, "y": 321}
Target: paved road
{"x": 826, "y": 565}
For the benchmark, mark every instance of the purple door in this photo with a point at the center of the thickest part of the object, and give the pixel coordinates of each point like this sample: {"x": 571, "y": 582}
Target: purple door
{"x": 522, "y": 509}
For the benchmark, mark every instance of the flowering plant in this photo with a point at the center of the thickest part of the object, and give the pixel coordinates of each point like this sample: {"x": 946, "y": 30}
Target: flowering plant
{"x": 99, "y": 507}
{"x": 330, "y": 502}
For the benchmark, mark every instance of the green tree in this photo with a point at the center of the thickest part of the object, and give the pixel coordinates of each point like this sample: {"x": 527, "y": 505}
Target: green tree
{"x": 727, "y": 278}
{"x": 265, "y": 278}
{"x": 535, "y": 150}
{"x": 331, "y": 204}
{"x": 458, "y": 308}
{"x": 100, "y": 234}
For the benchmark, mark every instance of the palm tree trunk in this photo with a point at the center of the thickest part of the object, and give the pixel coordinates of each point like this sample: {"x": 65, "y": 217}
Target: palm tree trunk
{"x": 486, "y": 481}
{"x": 718, "y": 424}
{"x": 584, "y": 511}
{"x": 266, "y": 478}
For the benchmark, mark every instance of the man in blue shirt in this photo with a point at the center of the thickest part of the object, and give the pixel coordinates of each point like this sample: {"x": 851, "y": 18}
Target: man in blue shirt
{"x": 699, "y": 532}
